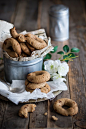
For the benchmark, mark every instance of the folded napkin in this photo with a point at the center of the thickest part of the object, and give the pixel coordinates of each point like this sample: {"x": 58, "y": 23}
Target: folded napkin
{"x": 25, "y": 96}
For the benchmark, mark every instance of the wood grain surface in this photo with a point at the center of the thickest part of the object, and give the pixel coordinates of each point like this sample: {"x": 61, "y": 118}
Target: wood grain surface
{"x": 34, "y": 14}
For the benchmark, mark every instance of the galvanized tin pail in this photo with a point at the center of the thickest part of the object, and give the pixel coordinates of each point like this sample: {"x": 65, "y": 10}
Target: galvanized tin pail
{"x": 18, "y": 70}
{"x": 59, "y": 22}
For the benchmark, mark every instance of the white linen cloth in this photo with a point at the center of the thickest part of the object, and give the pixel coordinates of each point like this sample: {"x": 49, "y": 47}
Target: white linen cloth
{"x": 25, "y": 96}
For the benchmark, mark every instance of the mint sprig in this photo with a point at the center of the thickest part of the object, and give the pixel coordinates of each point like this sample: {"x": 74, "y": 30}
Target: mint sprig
{"x": 66, "y": 54}
{"x": 54, "y": 50}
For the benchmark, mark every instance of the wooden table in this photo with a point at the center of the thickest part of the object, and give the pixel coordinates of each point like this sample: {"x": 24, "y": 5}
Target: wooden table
{"x": 33, "y": 14}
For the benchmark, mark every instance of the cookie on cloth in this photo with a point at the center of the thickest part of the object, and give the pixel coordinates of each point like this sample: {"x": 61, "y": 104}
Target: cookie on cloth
{"x": 34, "y": 85}
{"x": 44, "y": 89}
{"x": 38, "y": 76}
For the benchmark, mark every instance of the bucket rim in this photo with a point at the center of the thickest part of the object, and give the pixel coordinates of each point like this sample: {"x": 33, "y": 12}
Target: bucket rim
{"x": 22, "y": 63}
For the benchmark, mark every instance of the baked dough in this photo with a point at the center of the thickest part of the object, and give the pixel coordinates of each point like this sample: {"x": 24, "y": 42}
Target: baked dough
{"x": 25, "y": 49}
{"x": 30, "y": 47}
{"x": 34, "y": 85}
{"x": 72, "y": 110}
{"x": 11, "y": 42}
{"x": 44, "y": 89}
{"x": 35, "y": 41}
{"x": 23, "y": 112}
{"x": 15, "y": 35}
{"x": 38, "y": 76}
{"x": 12, "y": 53}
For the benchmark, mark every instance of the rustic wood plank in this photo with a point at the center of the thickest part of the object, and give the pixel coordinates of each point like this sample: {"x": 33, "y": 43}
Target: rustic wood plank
{"x": 7, "y": 8}
{"x": 20, "y": 12}
{"x": 34, "y": 120}
{"x": 83, "y": 65}
{"x": 77, "y": 79}
{"x": 3, "y": 107}
{"x": 38, "y": 119}
{"x": 26, "y": 15}
{"x": 81, "y": 124}
{"x": 6, "y": 11}
{"x": 76, "y": 66}
{"x": 9, "y": 118}
{"x": 63, "y": 121}
{"x": 9, "y": 114}
{"x": 77, "y": 72}
{"x": 12, "y": 120}
{"x": 67, "y": 121}
{"x": 54, "y": 128}
{"x": 44, "y": 19}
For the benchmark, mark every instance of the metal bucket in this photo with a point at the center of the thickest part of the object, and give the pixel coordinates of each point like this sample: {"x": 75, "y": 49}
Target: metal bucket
{"x": 18, "y": 70}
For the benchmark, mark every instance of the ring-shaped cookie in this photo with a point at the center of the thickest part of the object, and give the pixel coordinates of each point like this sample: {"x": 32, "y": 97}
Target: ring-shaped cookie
{"x": 35, "y": 42}
{"x": 38, "y": 76}
{"x": 72, "y": 110}
{"x": 30, "y": 47}
{"x": 25, "y": 49}
{"x": 12, "y": 53}
{"x": 34, "y": 85}
{"x": 13, "y": 33}
{"x": 19, "y": 37}
{"x": 34, "y": 37}
{"x": 24, "y": 54}
{"x": 11, "y": 42}
{"x": 23, "y": 112}
{"x": 44, "y": 89}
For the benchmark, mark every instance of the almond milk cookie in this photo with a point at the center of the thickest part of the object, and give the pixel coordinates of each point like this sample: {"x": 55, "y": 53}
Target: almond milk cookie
{"x": 30, "y": 35}
{"x": 13, "y": 33}
{"x": 72, "y": 110}
{"x": 37, "y": 43}
{"x": 35, "y": 37}
{"x": 19, "y": 37}
{"x": 30, "y": 47}
{"x": 11, "y": 42}
{"x": 44, "y": 89}
{"x": 12, "y": 53}
{"x": 34, "y": 85}
{"x": 24, "y": 54}
{"x": 28, "y": 90}
{"x": 23, "y": 112}
{"x": 26, "y": 82}
{"x": 38, "y": 76}
{"x": 25, "y": 48}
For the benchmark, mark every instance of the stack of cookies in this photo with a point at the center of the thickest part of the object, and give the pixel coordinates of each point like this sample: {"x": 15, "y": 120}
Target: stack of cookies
{"x": 38, "y": 80}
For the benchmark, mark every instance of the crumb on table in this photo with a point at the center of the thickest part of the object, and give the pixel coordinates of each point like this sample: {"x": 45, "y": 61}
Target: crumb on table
{"x": 54, "y": 118}
{"x": 45, "y": 113}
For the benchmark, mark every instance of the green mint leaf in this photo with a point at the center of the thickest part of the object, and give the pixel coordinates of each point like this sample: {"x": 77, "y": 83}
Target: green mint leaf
{"x": 65, "y": 57}
{"x": 75, "y": 50}
{"x": 66, "y": 48}
{"x": 55, "y": 49}
{"x": 71, "y": 55}
{"x": 48, "y": 56}
{"x": 60, "y": 52}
